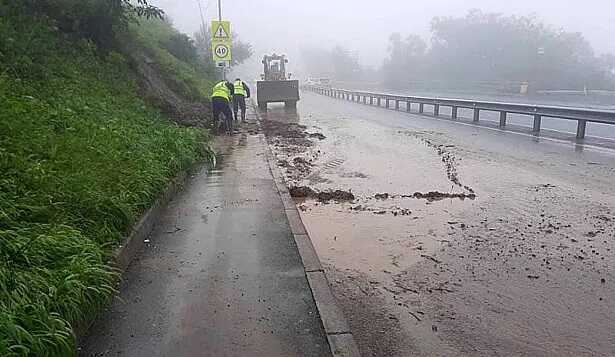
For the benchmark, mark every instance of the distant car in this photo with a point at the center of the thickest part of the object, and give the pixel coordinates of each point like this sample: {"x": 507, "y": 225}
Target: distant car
{"x": 325, "y": 82}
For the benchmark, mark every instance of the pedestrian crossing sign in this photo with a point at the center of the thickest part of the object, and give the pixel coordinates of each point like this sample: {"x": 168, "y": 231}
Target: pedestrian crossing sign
{"x": 221, "y": 31}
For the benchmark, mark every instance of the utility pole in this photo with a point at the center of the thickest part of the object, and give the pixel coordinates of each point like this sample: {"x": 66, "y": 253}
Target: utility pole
{"x": 220, "y": 19}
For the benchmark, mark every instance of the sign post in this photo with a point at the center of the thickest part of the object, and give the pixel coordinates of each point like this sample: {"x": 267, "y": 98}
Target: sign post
{"x": 221, "y": 43}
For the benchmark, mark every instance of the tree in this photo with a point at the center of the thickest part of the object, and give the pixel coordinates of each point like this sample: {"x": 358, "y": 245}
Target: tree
{"x": 98, "y": 20}
{"x": 492, "y": 48}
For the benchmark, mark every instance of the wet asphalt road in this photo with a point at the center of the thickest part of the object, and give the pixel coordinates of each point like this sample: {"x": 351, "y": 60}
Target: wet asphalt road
{"x": 221, "y": 275}
{"x": 525, "y": 269}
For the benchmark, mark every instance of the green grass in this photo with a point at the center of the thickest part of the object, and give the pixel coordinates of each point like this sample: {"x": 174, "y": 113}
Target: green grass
{"x": 81, "y": 157}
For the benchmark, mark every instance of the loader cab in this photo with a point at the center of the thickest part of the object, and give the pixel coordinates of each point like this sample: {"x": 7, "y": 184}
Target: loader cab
{"x": 274, "y": 67}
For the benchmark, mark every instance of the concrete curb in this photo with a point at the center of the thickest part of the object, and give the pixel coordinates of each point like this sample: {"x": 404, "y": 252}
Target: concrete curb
{"x": 144, "y": 227}
{"x": 340, "y": 338}
{"x": 132, "y": 243}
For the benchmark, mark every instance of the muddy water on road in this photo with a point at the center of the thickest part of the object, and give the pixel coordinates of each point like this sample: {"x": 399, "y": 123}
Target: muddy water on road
{"x": 523, "y": 267}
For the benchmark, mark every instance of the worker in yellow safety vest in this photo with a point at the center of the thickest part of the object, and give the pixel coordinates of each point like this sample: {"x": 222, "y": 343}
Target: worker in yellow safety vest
{"x": 242, "y": 91}
{"x": 221, "y": 96}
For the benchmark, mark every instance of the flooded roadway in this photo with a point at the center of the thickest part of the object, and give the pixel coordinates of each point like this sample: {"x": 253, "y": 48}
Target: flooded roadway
{"x": 520, "y": 262}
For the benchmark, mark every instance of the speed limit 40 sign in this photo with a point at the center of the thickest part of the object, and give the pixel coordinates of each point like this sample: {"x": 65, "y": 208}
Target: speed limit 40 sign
{"x": 221, "y": 41}
{"x": 222, "y": 52}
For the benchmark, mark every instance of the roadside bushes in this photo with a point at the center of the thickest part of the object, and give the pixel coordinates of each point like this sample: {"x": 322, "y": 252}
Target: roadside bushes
{"x": 81, "y": 157}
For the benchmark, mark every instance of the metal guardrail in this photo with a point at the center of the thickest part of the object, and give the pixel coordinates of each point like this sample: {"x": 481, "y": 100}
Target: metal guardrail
{"x": 581, "y": 115}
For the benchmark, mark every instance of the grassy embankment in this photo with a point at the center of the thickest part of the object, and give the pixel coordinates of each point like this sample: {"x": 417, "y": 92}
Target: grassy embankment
{"x": 81, "y": 157}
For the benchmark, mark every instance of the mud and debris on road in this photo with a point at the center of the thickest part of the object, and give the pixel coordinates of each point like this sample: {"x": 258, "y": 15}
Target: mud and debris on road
{"x": 453, "y": 243}
{"x": 322, "y": 196}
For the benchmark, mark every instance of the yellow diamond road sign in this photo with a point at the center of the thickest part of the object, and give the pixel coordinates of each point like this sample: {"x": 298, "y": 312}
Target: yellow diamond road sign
{"x": 221, "y": 41}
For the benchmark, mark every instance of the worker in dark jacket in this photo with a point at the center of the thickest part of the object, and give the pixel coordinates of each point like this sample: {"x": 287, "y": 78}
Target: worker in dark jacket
{"x": 221, "y": 96}
{"x": 242, "y": 91}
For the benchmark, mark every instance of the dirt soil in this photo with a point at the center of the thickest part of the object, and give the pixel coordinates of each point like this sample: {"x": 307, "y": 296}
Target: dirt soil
{"x": 157, "y": 91}
{"x": 323, "y": 196}
{"x": 459, "y": 241}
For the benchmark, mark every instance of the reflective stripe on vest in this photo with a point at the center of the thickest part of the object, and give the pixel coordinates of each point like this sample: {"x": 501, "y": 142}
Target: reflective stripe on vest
{"x": 239, "y": 88}
{"x": 221, "y": 90}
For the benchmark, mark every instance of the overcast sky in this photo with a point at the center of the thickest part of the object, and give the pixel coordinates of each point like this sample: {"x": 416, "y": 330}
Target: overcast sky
{"x": 364, "y": 26}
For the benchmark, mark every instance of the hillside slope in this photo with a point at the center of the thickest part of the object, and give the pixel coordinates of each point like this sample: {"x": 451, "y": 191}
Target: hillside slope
{"x": 84, "y": 149}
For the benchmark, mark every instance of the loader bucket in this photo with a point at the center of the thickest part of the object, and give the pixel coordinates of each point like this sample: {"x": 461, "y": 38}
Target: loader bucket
{"x": 285, "y": 91}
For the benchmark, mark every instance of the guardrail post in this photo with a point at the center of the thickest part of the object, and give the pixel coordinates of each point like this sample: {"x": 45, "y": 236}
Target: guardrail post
{"x": 454, "y": 112}
{"x": 371, "y": 100}
{"x": 436, "y": 110}
{"x": 408, "y": 106}
{"x": 387, "y": 102}
{"x": 476, "y": 115}
{"x": 503, "y": 116}
{"x": 378, "y": 101}
{"x": 396, "y": 104}
{"x": 537, "y": 122}
{"x": 364, "y": 99}
{"x": 581, "y": 125}
{"x": 421, "y": 108}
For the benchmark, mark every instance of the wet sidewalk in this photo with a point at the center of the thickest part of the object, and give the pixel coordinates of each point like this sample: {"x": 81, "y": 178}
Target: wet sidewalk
{"x": 220, "y": 275}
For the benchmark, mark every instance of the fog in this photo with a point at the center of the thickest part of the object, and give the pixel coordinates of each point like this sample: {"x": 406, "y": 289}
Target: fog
{"x": 364, "y": 26}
